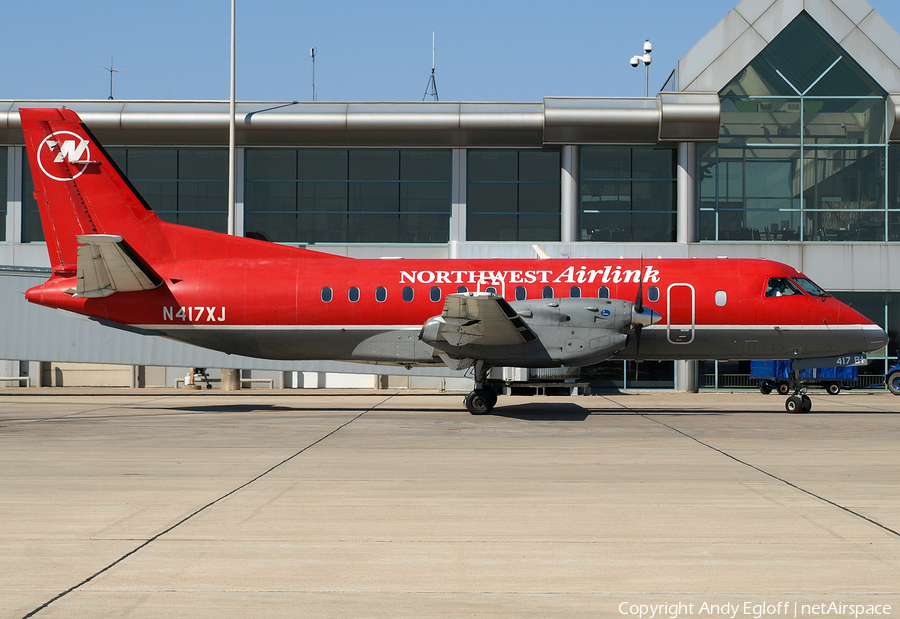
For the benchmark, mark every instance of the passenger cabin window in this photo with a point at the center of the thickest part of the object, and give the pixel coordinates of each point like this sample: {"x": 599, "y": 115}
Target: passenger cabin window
{"x": 547, "y": 292}
{"x": 435, "y": 293}
{"x": 575, "y": 292}
{"x": 353, "y": 294}
{"x": 491, "y": 289}
{"x": 327, "y": 294}
{"x": 782, "y": 287}
{"x": 653, "y": 294}
{"x": 721, "y": 298}
{"x": 521, "y": 293}
{"x": 603, "y": 292}
{"x": 408, "y": 293}
{"x": 462, "y": 289}
{"x": 381, "y": 294}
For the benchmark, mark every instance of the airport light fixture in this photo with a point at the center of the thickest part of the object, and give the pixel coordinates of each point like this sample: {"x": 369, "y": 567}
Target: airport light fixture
{"x": 646, "y": 59}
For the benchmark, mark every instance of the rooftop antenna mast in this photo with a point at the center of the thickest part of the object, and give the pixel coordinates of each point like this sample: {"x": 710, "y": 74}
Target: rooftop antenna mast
{"x": 432, "y": 85}
{"x": 312, "y": 52}
{"x": 111, "y": 71}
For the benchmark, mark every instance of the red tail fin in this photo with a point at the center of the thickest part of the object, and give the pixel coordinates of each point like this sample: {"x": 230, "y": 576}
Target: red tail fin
{"x": 79, "y": 189}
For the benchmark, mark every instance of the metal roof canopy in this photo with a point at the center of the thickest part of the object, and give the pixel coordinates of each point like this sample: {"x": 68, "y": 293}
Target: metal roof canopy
{"x": 668, "y": 117}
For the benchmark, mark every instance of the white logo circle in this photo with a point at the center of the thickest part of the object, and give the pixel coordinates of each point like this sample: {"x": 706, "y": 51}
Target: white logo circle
{"x": 72, "y": 148}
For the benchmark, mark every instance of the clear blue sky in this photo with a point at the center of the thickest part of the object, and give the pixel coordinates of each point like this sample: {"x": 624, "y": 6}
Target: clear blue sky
{"x": 487, "y": 50}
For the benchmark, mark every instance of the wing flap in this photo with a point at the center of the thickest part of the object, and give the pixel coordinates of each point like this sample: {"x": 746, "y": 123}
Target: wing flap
{"x": 483, "y": 318}
{"x": 106, "y": 265}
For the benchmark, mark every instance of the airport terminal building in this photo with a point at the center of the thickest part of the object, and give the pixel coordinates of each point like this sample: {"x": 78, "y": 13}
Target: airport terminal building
{"x": 776, "y": 136}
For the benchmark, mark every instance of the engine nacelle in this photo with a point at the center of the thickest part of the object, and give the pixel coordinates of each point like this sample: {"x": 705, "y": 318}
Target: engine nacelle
{"x": 572, "y": 332}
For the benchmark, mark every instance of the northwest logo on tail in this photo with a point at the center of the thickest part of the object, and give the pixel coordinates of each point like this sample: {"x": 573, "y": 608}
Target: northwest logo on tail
{"x": 64, "y": 146}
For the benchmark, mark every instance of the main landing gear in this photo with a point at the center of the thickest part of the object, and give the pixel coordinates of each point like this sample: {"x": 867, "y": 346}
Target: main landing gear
{"x": 482, "y": 399}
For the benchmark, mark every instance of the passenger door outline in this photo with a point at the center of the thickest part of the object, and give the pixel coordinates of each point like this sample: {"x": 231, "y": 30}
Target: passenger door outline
{"x": 680, "y": 332}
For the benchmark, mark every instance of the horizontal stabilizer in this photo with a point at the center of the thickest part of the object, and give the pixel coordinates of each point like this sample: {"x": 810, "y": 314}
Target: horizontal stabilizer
{"x": 106, "y": 264}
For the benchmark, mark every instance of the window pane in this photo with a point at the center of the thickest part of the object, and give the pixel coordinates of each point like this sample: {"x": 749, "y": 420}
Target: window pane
{"x": 203, "y": 164}
{"x": 152, "y": 164}
{"x": 322, "y": 197}
{"x": 373, "y": 197}
{"x": 539, "y": 166}
{"x": 493, "y": 198}
{"x": 535, "y": 198}
{"x": 270, "y": 164}
{"x": 493, "y": 165}
{"x": 321, "y": 164}
{"x": 605, "y": 163}
{"x": 379, "y": 165}
{"x": 496, "y": 227}
{"x": 424, "y": 228}
{"x": 539, "y": 227}
{"x": 425, "y": 165}
{"x": 425, "y": 197}
{"x": 373, "y": 228}
{"x": 653, "y": 163}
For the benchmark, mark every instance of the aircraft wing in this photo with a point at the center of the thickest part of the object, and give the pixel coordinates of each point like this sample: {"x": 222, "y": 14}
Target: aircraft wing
{"x": 483, "y": 318}
{"x": 106, "y": 264}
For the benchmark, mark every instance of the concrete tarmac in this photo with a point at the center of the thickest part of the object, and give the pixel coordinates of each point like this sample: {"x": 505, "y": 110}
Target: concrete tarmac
{"x": 163, "y": 503}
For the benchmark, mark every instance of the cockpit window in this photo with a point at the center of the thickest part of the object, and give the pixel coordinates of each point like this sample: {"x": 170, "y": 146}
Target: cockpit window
{"x": 782, "y": 287}
{"x": 810, "y": 287}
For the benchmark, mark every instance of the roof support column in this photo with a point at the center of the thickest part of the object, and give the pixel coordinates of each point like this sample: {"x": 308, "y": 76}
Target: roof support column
{"x": 570, "y": 194}
{"x": 687, "y": 374}
{"x": 457, "y": 200}
{"x": 686, "y": 204}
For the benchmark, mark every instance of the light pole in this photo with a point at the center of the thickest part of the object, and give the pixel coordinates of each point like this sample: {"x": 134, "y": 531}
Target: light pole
{"x": 646, "y": 59}
{"x": 312, "y": 52}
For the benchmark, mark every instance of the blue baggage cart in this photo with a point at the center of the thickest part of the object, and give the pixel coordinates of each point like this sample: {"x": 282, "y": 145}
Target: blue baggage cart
{"x": 775, "y": 376}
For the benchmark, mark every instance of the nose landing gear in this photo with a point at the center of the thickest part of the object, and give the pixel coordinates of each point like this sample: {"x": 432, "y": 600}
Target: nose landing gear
{"x": 798, "y": 403}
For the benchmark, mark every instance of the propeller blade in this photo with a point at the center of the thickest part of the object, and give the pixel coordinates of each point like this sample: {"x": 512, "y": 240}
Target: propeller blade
{"x": 639, "y": 302}
{"x": 637, "y": 348}
{"x": 639, "y": 308}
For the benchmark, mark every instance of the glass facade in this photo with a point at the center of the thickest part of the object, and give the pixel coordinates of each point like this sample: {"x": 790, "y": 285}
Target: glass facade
{"x": 628, "y": 194}
{"x": 802, "y": 152}
{"x": 513, "y": 195}
{"x": 31, "y": 217}
{"x": 187, "y": 186}
{"x": 348, "y": 195}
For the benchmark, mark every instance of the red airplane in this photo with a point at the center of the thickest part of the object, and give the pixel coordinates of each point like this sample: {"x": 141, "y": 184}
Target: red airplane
{"x": 115, "y": 261}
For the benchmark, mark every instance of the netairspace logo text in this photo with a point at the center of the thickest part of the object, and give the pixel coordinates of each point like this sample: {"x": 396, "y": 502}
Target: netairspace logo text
{"x": 757, "y": 610}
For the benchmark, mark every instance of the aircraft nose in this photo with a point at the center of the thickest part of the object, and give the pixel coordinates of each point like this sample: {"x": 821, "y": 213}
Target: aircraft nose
{"x": 876, "y": 337}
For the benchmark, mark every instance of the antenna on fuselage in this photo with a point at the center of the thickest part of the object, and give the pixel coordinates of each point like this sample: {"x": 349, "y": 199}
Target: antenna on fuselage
{"x": 432, "y": 85}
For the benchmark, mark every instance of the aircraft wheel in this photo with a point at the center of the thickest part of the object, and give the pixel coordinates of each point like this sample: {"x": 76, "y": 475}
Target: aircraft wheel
{"x": 893, "y": 382}
{"x": 833, "y": 388}
{"x": 480, "y": 401}
{"x": 806, "y": 404}
{"x": 793, "y": 404}
{"x": 784, "y": 388}
{"x": 765, "y": 388}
